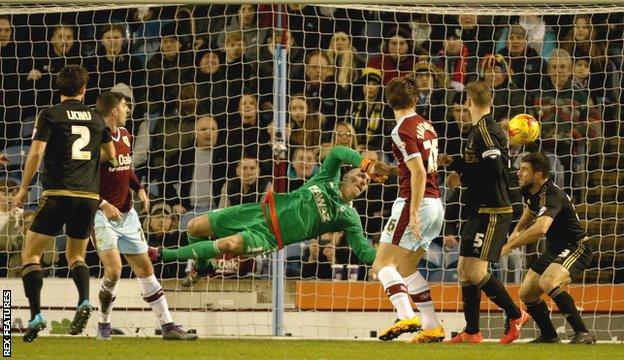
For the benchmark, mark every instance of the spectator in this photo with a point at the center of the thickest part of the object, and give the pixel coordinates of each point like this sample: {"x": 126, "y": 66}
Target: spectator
{"x": 568, "y": 117}
{"x": 476, "y": 35}
{"x": 167, "y": 71}
{"x": 113, "y": 64}
{"x": 455, "y": 60}
{"x": 345, "y": 135}
{"x": 397, "y": 55}
{"x": 211, "y": 84}
{"x": 246, "y": 135}
{"x": 321, "y": 255}
{"x": 525, "y": 63}
{"x": 508, "y": 101}
{"x": 303, "y": 165}
{"x": 305, "y": 127}
{"x": 161, "y": 227}
{"x": 246, "y": 22}
{"x": 458, "y": 124}
{"x": 370, "y": 117}
{"x": 321, "y": 90}
{"x": 540, "y": 37}
{"x": 247, "y": 187}
{"x": 433, "y": 96}
{"x": 294, "y": 67}
{"x": 145, "y": 30}
{"x": 10, "y": 221}
{"x": 347, "y": 61}
{"x": 239, "y": 73}
{"x": 309, "y": 24}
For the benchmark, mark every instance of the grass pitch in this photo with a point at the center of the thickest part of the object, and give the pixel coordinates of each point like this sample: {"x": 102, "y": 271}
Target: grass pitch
{"x": 64, "y": 348}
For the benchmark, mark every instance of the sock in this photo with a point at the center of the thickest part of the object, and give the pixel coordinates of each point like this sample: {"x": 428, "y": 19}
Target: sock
{"x": 565, "y": 303}
{"x": 32, "y": 278}
{"x": 471, "y": 299}
{"x": 107, "y": 286}
{"x": 539, "y": 313}
{"x": 202, "y": 250}
{"x": 80, "y": 273}
{"x": 396, "y": 291}
{"x": 495, "y": 290}
{"x": 153, "y": 294}
{"x": 420, "y": 293}
{"x": 200, "y": 264}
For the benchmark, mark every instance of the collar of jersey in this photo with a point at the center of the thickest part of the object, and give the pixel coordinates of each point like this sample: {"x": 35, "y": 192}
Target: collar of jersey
{"x": 405, "y": 117}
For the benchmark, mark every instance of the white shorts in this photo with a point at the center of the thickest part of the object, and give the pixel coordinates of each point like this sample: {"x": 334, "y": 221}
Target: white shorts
{"x": 397, "y": 231}
{"x": 125, "y": 234}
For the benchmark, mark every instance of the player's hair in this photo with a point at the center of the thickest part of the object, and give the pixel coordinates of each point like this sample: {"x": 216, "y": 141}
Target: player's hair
{"x": 401, "y": 93}
{"x": 71, "y": 79}
{"x": 539, "y": 162}
{"x": 480, "y": 93}
{"x": 107, "y": 101}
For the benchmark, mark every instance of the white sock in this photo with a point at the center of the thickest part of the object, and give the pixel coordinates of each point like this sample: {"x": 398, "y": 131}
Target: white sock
{"x": 111, "y": 287}
{"x": 420, "y": 293}
{"x": 153, "y": 294}
{"x": 396, "y": 291}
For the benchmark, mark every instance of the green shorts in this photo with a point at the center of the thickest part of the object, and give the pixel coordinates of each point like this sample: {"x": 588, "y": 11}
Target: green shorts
{"x": 248, "y": 221}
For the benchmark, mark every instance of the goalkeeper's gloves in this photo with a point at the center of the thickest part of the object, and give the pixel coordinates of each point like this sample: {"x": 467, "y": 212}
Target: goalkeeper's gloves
{"x": 368, "y": 166}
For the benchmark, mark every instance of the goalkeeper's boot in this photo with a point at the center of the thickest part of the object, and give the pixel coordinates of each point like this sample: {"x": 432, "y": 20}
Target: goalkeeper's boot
{"x": 172, "y": 331}
{"x": 104, "y": 331}
{"x": 583, "y": 338}
{"x": 401, "y": 327}
{"x": 542, "y": 340}
{"x": 191, "y": 279}
{"x": 513, "y": 327}
{"x": 80, "y": 319}
{"x": 463, "y": 338}
{"x": 429, "y": 335}
{"x": 34, "y": 326}
{"x": 154, "y": 253}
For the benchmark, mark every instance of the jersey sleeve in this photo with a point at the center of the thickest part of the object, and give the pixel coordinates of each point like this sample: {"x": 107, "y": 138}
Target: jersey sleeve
{"x": 43, "y": 127}
{"x": 408, "y": 143}
{"x": 552, "y": 205}
{"x": 106, "y": 135}
{"x": 330, "y": 169}
{"x": 487, "y": 145}
{"x": 358, "y": 243}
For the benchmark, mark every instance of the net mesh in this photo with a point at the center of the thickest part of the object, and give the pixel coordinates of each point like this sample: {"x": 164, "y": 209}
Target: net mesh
{"x": 200, "y": 79}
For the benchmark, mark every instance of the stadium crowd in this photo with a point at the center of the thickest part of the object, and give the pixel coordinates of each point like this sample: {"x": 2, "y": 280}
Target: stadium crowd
{"x": 200, "y": 81}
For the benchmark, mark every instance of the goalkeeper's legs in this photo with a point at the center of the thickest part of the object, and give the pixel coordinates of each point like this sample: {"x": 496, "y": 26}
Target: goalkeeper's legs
{"x": 199, "y": 229}
{"x": 32, "y": 279}
{"x": 153, "y": 294}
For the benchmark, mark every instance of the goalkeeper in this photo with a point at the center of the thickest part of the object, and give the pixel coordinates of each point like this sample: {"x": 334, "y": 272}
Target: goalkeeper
{"x": 322, "y": 205}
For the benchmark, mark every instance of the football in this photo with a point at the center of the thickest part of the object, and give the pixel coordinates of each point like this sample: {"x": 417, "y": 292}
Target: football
{"x": 523, "y": 129}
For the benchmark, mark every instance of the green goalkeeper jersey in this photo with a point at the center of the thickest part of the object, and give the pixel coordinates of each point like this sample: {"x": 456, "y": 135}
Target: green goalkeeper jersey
{"x": 317, "y": 208}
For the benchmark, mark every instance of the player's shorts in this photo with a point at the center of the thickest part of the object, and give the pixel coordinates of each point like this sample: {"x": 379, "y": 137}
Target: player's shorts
{"x": 247, "y": 220}
{"x": 576, "y": 258}
{"x": 430, "y": 217}
{"x": 76, "y": 213}
{"x": 125, "y": 234}
{"x": 484, "y": 235}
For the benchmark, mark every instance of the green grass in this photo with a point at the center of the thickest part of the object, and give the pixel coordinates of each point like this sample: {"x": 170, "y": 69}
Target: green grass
{"x": 64, "y": 348}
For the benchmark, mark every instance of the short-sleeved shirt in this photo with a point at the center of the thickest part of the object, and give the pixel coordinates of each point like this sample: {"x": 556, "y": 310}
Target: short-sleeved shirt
{"x": 553, "y": 202}
{"x": 414, "y": 136}
{"x": 73, "y": 134}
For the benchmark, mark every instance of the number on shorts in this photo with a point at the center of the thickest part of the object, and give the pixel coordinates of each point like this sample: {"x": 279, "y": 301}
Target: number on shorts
{"x": 564, "y": 253}
{"x": 80, "y": 143}
{"x": 478, "y": 240}
{"x": 432, "y": 160}
{"x": 391, "y": 225}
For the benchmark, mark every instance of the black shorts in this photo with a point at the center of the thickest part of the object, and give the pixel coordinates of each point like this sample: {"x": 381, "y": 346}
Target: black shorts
{"x": 576, "y": 258}
{"x": 484, "y": 235}
{"x": 75, "y": 213}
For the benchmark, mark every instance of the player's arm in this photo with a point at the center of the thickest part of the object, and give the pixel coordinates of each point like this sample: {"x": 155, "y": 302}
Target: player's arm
{"x": 359, "y": 244}
{"x": 33, "y": 161}
{"x": 531, "y": 235}
{"x": 139, "y": 189}
{"x": 107, "y": 147}
{"x": 340, "y": 155}
{"x": 526, "y": 219}
{"x": 418, "y": 175}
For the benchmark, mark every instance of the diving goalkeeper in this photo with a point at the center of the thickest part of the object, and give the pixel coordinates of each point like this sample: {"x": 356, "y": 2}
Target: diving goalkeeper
{"x": 322, "y": 205}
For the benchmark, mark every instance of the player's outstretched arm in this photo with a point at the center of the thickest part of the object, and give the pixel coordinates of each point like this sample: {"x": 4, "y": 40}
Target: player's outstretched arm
{"x": 531, "y": 235}
{"x": 33, "y": 161}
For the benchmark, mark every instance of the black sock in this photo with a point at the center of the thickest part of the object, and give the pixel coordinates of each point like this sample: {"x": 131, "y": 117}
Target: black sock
{"x": 80, "y": 274}
{"x": 495, "y": 290}
{"x": 471, "y": 298}
{"x": 566, "y": 306}
{"x": 539, "y": 313}
{"x": 32, "y": 278}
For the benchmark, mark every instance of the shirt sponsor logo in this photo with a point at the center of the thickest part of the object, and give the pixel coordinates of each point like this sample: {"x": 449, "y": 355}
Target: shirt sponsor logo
{"x": 320, "y": 203}
{"x": 123, "y": 163}
{"x": 78, "y": 115}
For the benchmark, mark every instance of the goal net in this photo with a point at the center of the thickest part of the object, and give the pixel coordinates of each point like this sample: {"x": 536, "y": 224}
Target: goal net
{"x": 201, "y": 81}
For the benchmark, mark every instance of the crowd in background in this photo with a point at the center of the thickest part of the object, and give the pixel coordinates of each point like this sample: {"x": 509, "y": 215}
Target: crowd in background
{"x": 200, "y": 81}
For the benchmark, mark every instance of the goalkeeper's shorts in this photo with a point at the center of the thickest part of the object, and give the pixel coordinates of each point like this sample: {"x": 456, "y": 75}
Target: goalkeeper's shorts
{"x": 430, "y": 217}
{"x": 249, "y": 221}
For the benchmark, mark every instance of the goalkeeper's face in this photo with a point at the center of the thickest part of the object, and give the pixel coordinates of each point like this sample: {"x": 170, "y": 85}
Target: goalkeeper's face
{"x": 354, "y": 183}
